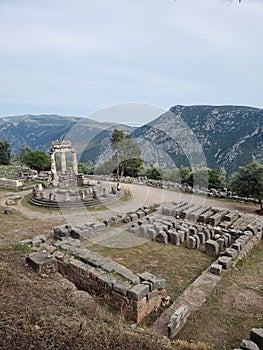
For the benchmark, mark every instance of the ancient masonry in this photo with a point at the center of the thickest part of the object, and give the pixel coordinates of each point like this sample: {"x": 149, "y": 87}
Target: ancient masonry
{"x": 226, "y": 235}
{"x": 62, "y": 148}
{"x": 64, "y": 194}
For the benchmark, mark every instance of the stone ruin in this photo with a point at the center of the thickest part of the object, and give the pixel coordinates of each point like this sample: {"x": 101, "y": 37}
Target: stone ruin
{"x": 66, "y": 176}
{"x": 136, "y": 296}
{"x": 226, "y": 235}
{"x": 71, "y": 190}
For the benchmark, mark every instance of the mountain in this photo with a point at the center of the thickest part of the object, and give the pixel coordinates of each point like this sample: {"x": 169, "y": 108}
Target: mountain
{"x": 229, "y": 136}
{"x": 39, "y": 131}
{"x": 219, "y": 136}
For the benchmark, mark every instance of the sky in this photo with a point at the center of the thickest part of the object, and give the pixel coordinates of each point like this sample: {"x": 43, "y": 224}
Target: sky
{"x": 76, "y": 57}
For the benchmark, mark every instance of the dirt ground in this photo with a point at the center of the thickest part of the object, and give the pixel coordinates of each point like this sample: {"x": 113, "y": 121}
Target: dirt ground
{"x": 235, "y": 307}
{"x": 28, "y": 302}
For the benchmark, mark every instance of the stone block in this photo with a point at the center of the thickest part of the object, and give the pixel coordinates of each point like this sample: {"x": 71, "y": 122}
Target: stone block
{"x": 201, "y": 236}
{"x": 197, "y": 244}
{"x": 216, "y": 269}
{"x": 106, "y": 281}
{"x": 177, "y": 321}
{"x": 230, "y": 252}
{"x": 225, "y": 261}
{"x": 62, "y": 231}
{"x": 138, "y": 292}
{"x": 182, "y": 236}
{"x": 94, "y": 273}
{"x": 241, "y": 242}
{"x": 140, "y": 214}
{"x": 191, "y": 242}
{"x": 152, "y": 295}
{"x": 175, "y": 238}
{"x": 162, "y": 237}
{"x": 127, "y": 219}
{"x": 121, "y": 288}
{"x": 8, "y": 211}
{"x": 157, "y": 283}
{"x": 99, "y": 226}
{"x": 236, "y": 246}
{"x": 211, "y": 247}
{"x": 221, "y": 243}
{"x": 256, "y": 335}
{"x": 151, "y": 233}
{"x": 42, "y": 263}
{"x": 248, "y": 345}
{"x": 192, "y": 230}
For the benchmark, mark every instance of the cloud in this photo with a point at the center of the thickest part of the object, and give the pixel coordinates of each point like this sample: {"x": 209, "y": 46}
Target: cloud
{"x": 78, "y": 55}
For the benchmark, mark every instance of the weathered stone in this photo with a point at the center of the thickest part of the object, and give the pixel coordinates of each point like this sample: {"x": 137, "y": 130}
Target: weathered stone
{"x": 201, "y": 236}
{"x": 133, "y": 217}
{"x": 138, "y": 292}
{"x": 162, "y": 237}
{"x": 225, "y": 261}
{"x": 192, "y": 230}
{"x": 177, "y": 321}
{"x": 182, "y": 236}
{"x": 8, "y": 211}
{"x": 191, "y": 242}
{"x": 175, "y": 237}
{"x": 106, "y": 281}
{"x": 216, "y": 269}
{"x": 121, "y": 288}
{"x": 211, "y": 247}
{"x": 151, "y": 233}
{"x": 248, "y": 345}
{"x": 230, "y": 252}
{"x": 236, "y": 246}
{"x": 197, "y": 244}
{"x": 42, "y": 263}
{"x": 62, "y": 231}
{"x": 256, "y": 335}
{"x": 221, "y": 243}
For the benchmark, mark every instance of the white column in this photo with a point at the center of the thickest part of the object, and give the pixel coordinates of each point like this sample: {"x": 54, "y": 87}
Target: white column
{"x": 74, "y": 162}
{"x": 53, "y": 166}
{"x": 63, "y": 162}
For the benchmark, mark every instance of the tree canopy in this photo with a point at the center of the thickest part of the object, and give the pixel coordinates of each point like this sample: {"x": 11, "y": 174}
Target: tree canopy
{"x": 5, "y": 152}
{"x": 248, "y": 182}
{"x": 37, "y": 160}
{"x": 127, "y": 154}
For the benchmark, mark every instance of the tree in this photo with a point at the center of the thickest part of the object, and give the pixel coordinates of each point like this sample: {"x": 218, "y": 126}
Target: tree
{"x": 23, "y": 150}
{"x": 5, "y": 152}
{"x": 84, "y": 168}
{"x": 127, "y": 154}
{"x": 248, "y": 182}
{"x": 37, "y": 160}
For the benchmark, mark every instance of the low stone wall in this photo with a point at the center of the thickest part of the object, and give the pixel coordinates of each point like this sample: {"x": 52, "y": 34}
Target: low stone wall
{"x": 174, "y": 318}
{"x": 134, "y": 301}
{"x": 136, "y": 296}
{"x": 10, "y": 184}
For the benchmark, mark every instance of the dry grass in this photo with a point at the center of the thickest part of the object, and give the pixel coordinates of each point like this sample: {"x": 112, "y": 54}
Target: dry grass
{"x": 177, "y": 264}
{"x": 17, "y": 226}
{"x": 235, "y": 307}
{"x": 41, "y": 313}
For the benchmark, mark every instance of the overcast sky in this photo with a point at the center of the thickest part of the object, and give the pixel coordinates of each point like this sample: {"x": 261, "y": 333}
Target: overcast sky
{"x": 73, "y": 57}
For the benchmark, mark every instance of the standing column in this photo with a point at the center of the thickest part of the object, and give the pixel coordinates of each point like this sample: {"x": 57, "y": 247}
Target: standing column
{"x": 74, "y": 162}
{"x": 53, "y": 166}
{"x": 63, "y": 162}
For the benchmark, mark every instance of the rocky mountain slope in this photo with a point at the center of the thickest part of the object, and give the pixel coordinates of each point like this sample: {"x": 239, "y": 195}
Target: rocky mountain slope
{"x": 229, "y": 136}
{"x": 39, "y": 131}
{"x": 217, "y": 136}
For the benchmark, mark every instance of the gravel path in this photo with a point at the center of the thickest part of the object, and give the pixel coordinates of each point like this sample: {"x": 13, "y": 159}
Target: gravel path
{"x": 141, "y": 196}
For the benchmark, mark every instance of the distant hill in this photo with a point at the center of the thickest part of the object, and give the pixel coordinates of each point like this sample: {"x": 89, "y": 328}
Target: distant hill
{"x": 39, "y": 131}
{"x": 230, "y": 136}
